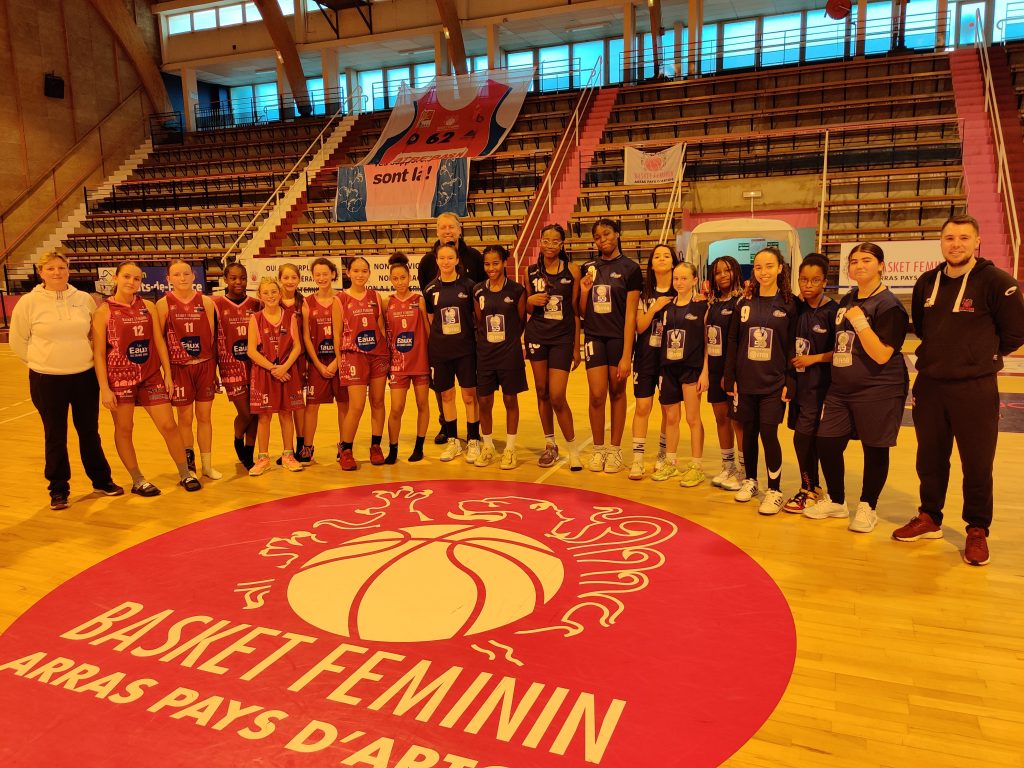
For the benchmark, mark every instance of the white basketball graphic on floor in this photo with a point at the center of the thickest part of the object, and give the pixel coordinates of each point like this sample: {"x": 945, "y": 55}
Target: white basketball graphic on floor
{"x": 425, "y": 582}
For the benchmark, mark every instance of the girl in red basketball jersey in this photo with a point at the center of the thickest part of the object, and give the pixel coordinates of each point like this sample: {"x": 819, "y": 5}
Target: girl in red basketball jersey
{"x": 405, "y": 317}
{"x": 274, "y": 388}
{"x": 234, "y": 309}
{"x": 187, "y": 321}
{"x": 130, "y": 354}
{"x": 364, "y": 362}
{"x": 292, "y": 300}
{"x": 321, "y": 334}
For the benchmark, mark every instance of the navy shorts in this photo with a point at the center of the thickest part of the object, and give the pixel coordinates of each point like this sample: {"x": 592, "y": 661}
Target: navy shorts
{"x": 644, "y": 384}
{"x": 512, "y": 381}
{"x": 759, "y": 409}
{"x": 715, "y": 392}
{"x": 599, "y": 350}
{"x": 876, "y": 423}
{"x": 671, "y": 381}
{"x": 805, "y": 413}
{"x": 557, "y": 356}
{"x": 443, "y": 373}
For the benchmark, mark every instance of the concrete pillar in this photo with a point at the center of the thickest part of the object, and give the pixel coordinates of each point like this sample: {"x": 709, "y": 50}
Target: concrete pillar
{"x": 331, "y": 72}
{"x": 631, "y": 68}
{"x": 940, "y": 25}
{"x": 495, "y": 55}
{"x": 190, "y": 95}
{"x": 862, "y": 12}
{"x": 351, "y": 83}
{"x": 694, "y": 23}
{"x": 442, "y": 62}
{"x": 284, "y": 92}
{"x": 677, "y": 48}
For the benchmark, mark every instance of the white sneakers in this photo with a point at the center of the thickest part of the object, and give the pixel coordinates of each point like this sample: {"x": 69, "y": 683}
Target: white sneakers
{"x": 825, "y": 507}
{"x": 722, "y": 476}
{"x": 486, "y": 457}
{"x": 453, "y": 449}
{"x": 864, "y": 519}
{"x": 746, "y": 490}
{"x": 636, "y": 470}
{"x": 613, "y": 461}
{"x": 596, "y": 463}
{"x": 772, "y": 503}
{"x": 472, "y": 451}
{"x": 509, "y": 460}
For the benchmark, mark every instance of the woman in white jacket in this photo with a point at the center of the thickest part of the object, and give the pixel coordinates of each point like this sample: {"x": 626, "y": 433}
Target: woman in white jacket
{"x": 50, "y": 332}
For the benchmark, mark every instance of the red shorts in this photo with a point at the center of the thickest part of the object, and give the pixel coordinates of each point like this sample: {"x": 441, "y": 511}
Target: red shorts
{"x": 354, "y": 369}
{"x": 268, "y": 395}
{"x": 152, "y": 391}
{"x": 321, "y": 391}
{"x": 194, "y": 383}
{"x": 402, "y": 380}
{"x": 380, "y": 366}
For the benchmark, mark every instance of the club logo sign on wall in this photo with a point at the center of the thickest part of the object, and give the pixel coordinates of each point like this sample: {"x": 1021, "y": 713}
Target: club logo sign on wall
{"x": 451, "y": 623}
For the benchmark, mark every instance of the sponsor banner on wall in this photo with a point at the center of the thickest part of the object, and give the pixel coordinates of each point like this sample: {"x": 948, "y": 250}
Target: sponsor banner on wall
{"x": 379, "y": 272}
{"x": 154, "y": 279}
{"x": 259, "y": 268}
{"x": 652, "y": 167}
{"x": 905, "y": 262}
{"x": 410, "y": 190}
{"x": 455, "y": 116}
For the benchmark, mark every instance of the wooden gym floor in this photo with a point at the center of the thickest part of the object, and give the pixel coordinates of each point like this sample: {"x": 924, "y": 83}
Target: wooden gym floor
{"x": 905, "y": 656}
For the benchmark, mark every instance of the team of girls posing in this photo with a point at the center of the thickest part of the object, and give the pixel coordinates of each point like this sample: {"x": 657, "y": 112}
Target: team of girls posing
{"x": 751, "y": 350}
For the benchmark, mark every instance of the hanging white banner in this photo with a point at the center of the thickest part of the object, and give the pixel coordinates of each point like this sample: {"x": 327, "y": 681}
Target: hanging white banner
{"x": 652, "y": 167}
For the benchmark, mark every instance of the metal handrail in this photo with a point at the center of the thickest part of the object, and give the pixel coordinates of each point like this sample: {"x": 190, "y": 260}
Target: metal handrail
{"x": 1004, "y": 183}
{"x": 543, "y": 198}
{"x": 355, "y": 107}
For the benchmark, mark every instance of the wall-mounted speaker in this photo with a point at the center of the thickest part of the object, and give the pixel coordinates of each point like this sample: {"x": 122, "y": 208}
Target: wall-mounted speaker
{"x": 53, "y": 86}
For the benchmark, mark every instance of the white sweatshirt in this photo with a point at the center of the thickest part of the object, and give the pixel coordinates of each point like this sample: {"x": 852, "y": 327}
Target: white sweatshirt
{"x": 50, "y": 330}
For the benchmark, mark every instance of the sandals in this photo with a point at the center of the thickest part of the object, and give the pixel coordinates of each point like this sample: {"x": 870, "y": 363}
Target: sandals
{"x": 191, "y": 483}
{"x": 146, "y": 489}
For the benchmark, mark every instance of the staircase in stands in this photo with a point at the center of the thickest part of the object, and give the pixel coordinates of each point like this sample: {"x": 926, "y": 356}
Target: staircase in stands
{"x": 984, "y": 200}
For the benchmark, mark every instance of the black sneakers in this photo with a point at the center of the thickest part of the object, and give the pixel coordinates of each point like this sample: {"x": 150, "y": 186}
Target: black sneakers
{"x": 109, "y": 489}
{"x": 58, "y": 501}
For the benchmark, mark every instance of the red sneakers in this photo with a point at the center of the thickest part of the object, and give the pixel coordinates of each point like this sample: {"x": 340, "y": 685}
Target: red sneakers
{"x": 348, "y": 461}
{"x": 976, "y": 549}
{"x": 921, "y": 527}
{"x": 376, "y": 455}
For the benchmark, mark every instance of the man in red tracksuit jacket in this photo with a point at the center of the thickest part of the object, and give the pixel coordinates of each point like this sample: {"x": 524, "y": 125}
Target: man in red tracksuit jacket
{"x": 969, "y": 315}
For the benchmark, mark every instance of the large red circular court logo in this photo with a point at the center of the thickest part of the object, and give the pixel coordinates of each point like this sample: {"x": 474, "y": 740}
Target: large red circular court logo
{"x": 453, "y": 624}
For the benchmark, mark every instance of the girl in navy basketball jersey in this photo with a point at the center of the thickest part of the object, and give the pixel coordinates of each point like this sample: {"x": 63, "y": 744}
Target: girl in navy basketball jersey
{"x": 321, "y": 332}
{"x": 658, "y": 292}
{"x": 234, "y": 309}
{"x": 815, "y": 337}
{"x": 726, "y": 289}
{"x": 274, "y": 347}
{"x": 758, "y": 371}
{"x": 408, "y": 330}
{"x": 452, "y": 350}
{"x": 187, "y": 320}
{"x": 133, "y": 368}
{"x": 364, "y": 362}
{"x": 553, "y": 339}
{"x": 683, "y": 373}
{"x": 868, "y": 391}
{"x": 609, "y": 294}
{"x": 293, "y": 301}
{"x": 500, "y": 310}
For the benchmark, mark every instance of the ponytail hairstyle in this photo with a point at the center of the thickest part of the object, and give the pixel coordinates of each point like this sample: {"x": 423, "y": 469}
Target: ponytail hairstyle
{"x": 735, "y": 282}
{"x": 693, "y": 271}
{"x": 873, "y": 250}
{"x": 565, "y": 257}
{"x": 399, "y": 260}
{"x": 460, "y": 268}
{"x": 650, "y": 281}
{"x": 783, "y": 279}
{"x": 501, "y": 250}
{"x": 124, "y": 265}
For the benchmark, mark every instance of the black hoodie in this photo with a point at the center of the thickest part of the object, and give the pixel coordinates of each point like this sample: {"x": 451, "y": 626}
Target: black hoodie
{"x": 967, "y": 323}
{"x": 472, "y": 264}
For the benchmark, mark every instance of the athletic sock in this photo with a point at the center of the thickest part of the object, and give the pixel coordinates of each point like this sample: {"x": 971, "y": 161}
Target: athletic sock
{"x": 183, "y": 471}
{"x": 639, "y": 446}
{"x": 346, "y": 446}
{"x": 510, "y": 442}
{"x": 728, "y": 457}
{"x": 741, "y": 467}
{"x": 451, "y": 428}
{"x": 137, "y": 477}
{"x": 417, "y": 452}
{"x": 473, "y": 430}
{"x": 670, "y": 458}
{"x": 488, "y": 441}
{"x": 299, "y": 442}
{"x": 550, "y": 439}
{"x": 239, "y": 448}
{"x": 375, "y": 439}
{"x": 571, "y": 445}
{"x": 662, "y": 445}
{"x": 207, "y": 464}
{"x": 392, "y": 456}
{"x": 247, "y": 458}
